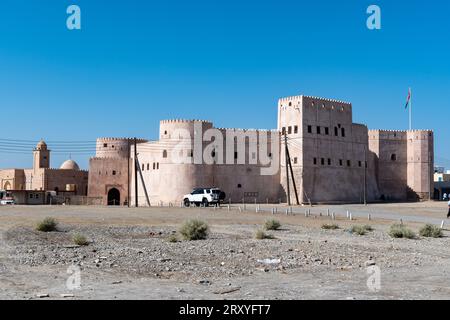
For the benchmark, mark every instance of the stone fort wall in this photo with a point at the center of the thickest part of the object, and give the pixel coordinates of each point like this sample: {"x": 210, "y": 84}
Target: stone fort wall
{"x": 168, "y": 180}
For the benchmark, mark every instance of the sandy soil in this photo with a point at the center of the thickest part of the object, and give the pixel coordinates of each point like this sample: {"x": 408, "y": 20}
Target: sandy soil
{"x": 130, "y": 257}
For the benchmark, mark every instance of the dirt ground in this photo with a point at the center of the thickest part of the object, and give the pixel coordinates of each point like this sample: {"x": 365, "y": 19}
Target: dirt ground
{"x": 129, "y": 255}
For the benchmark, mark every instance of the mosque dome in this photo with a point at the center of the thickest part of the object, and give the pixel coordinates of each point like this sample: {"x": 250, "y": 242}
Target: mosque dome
{"x": 41, "y": 145}
{"x": 70, "y": 165}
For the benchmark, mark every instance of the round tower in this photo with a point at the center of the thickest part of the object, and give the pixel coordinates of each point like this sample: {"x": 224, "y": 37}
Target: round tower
{"x": 178, "y": 128}
{"x": 114, "y": 147}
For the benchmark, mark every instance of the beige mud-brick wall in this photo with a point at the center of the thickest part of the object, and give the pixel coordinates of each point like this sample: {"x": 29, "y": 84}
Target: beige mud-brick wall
{"x": 12, "y": 179}
{"x": 102, "y": 178}
{"x": 167, "y": 181}
{"x": 110, "y": 168}
{"x": 58, "y": 179}
{"x": 391, "y": 156}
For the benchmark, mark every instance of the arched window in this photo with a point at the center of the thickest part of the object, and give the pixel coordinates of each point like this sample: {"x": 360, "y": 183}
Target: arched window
{"x": 165, "y": 154}
{"x": 343, "y": 132}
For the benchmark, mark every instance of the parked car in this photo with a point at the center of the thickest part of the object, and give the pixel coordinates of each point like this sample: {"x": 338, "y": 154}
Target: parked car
{"x": 6, "y": 198}
{"x": 204, "y": 197}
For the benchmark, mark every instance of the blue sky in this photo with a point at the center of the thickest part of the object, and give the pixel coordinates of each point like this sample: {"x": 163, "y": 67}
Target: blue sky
{"x": 135, "y": 62}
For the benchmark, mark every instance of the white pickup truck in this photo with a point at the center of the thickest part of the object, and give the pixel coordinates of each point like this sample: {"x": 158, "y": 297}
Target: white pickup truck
{"x": 203, "y": 196}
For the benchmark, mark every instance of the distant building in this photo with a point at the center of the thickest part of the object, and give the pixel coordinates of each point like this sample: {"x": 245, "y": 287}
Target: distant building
{"x": 68, "y": 178}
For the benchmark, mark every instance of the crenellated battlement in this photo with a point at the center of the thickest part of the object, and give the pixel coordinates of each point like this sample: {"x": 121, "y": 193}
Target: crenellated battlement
{"x": 65, "y": 170}
{"x": 400, "y": 131}
{"x": 287, "y": 99}
{"x": 110, "y": 139}
{"x": 172, "y": 121}
{"x": 247, "y": 130}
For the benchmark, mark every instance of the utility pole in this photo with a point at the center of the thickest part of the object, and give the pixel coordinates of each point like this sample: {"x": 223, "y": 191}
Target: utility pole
{"x": 135, "y": 175}
{"x": 143, "y": 182}
{"x": 287, "y": 169}
{"x": 292, "y": 175}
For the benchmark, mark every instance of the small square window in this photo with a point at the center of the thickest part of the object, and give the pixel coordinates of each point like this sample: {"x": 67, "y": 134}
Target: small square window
{"x": 295, "y": 160}
{"x": 322, "y": 161}
{"x": 289, "y": 130}
{"x": 283, "y": 130}
{"x": 349, "y": 163}
{"x": 295, "y": 129}
{"x": 309, "y": 129}
{"x": 235, "y": 155}
{"x": 318, "y": 130}
{"x": 114, "y": 172}
{"x": 359, "y": 164}
{"x": 329, "y": 161}
{"x": 315, "y": 161}
{"x": 341, "y": 162}
{"x": 327, "y": 131}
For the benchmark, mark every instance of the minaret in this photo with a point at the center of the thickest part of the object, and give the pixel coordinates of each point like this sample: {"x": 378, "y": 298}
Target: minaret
{"x": 41, "y": 156}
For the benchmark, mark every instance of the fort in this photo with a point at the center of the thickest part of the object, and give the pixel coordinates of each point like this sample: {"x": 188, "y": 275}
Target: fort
{"x": 333, "y": 160}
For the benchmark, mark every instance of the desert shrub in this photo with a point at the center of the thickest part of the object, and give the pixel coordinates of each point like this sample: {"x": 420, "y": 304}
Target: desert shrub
{"x": 261, "y": 235}
{"x": 172, "y": 238}
{"x": 359, "y": 230}
{"x": 47, "y": 225}
{"x": 333, "y": 226}
{"x": 431, "y": 231}
{"x": 80, "y": 240}
{"x": 400, "y": 231}
{"x": 194, "y": 230}
{"x": 272, "y": 224}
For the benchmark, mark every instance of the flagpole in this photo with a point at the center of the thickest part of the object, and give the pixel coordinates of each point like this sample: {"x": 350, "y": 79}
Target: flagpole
{"x": 410, "y": 110}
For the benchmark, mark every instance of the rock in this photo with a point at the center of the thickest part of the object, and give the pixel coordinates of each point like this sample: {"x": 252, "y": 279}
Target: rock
{"x": 96, "y": 261}
{"x": 67, "y": 295}
{"x": 117, "y": 282}
{"x": 204, "y": 282}
{"x": 370, "y": 263}
{"x": 42, "y": 295}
